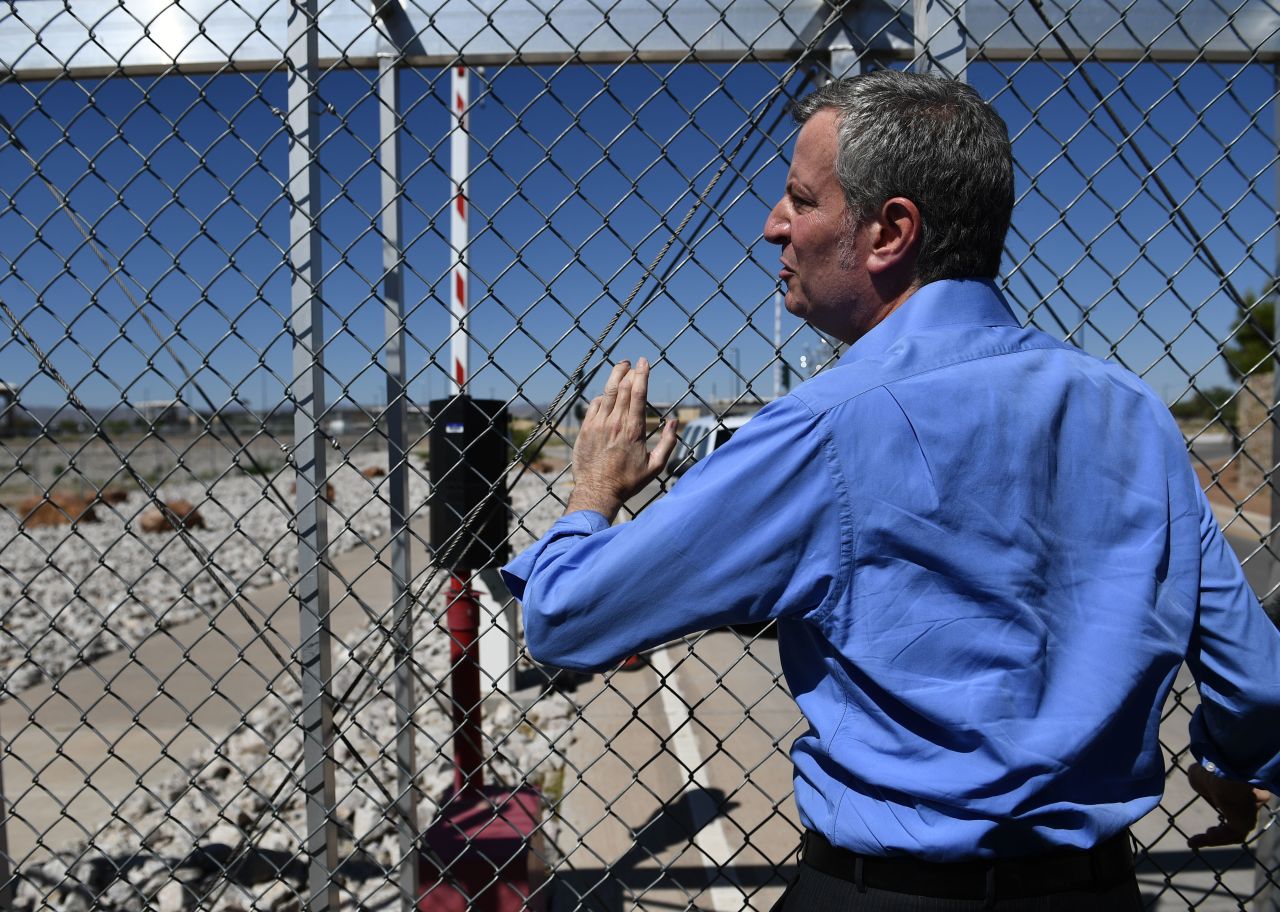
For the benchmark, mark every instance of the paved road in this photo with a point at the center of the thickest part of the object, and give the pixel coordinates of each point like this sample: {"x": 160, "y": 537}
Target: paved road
{"x": 684, "y": 796}
{"x": 1243, "y": 532}
{"x": 1213, "y": 449}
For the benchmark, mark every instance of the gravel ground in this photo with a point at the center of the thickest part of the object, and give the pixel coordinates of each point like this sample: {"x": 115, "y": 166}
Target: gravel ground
{"x": 225, "y": 836}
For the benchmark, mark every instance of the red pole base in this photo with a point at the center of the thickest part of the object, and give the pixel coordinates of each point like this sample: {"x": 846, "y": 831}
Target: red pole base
{"x": 479, "y": 854}
{"x": 464, "y": 679}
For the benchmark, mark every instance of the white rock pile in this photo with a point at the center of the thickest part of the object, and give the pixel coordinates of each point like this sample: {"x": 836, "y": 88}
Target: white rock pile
{"x": 71, "y": 594}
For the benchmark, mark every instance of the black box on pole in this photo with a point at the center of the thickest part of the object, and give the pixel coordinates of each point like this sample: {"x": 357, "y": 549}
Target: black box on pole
{"x": 470, "y": 447}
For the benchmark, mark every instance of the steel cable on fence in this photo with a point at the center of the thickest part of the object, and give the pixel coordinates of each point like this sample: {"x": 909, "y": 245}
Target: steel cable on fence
{"x": 198, "y": 550}
{"x": 658, "y": 288}
{"x": 550, "y": 419}
{"x": 556, "y": 412}
{"x": 1182, "y": 221}
{"x": 1129, "y": 140}
{"x": 203, "y": 556}
{"x": 578, "y": 380}
{"x": 559, "y": 408}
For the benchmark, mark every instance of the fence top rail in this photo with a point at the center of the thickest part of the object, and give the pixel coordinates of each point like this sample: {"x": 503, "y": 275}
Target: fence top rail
{"x": 41, "y": 39}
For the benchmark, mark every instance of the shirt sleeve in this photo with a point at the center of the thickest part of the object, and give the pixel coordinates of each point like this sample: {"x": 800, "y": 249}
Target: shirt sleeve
{"x": 1234, "y": 655}
{"x": 755, "y": 531}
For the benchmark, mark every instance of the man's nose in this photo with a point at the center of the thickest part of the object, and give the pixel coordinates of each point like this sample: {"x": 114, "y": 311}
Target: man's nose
{"x": 777, "y": 228}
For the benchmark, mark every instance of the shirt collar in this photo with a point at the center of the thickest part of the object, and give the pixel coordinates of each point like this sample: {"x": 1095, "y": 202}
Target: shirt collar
{"x": 949, "y": 302}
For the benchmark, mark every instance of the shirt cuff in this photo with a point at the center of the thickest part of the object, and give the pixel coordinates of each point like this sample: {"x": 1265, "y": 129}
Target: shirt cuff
{"x": 1210, "y": 756}
{"x": 572, "y": 525}
{"x": 1203, "y": 748}
{"x": 1212, "y": 768}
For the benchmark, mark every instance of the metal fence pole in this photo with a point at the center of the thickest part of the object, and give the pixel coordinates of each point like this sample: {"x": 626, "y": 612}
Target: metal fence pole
{"x": 1273, "y": 479}
{"x": 6, "y": 874}
{"x": 1267, "y": 848}
{"x": 389, "y": 125}
{"x": 1266, "y": 878}
{"x": 307, "y": 397}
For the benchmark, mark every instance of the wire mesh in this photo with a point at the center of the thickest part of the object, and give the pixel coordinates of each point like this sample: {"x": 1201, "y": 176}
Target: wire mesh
{"x": 229, "y": 302}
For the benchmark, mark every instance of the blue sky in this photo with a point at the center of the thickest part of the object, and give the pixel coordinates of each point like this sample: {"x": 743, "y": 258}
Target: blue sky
{"x": 579, "y": 175}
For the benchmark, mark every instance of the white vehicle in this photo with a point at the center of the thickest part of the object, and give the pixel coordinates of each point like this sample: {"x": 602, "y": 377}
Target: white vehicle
{"x": 701, "y": 437}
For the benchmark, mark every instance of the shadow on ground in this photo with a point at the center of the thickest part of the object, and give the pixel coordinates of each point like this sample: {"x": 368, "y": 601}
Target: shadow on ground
{"x": 203, "y": 873}
{"x": 640, "y": 876}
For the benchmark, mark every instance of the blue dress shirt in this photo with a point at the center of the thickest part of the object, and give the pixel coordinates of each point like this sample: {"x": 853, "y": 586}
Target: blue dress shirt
{"x": 988, "y": 556}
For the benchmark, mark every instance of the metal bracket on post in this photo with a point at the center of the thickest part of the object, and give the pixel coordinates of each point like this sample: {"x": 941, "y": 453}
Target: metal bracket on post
{"x": 940, "y": 38}
{"x": 844, "y": 59}
{"x": 307, "y": 319}
{"x": 499, "y": 632}
{"x": 390, "y": 15}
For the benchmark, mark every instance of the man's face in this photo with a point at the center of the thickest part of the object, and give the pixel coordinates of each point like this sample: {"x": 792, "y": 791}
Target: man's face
{"x": 821, "y": 252}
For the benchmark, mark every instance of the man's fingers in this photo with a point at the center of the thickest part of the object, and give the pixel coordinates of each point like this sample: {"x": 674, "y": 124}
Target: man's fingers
{"x": 639, "y": 390}
{"x": 1199, "y": 779}
{"x": 666, "y": 446}
{"x": 622, "y": 404}
{"x": 614, "y": 382}
{"x": 1220, "y": 835}
{"x": 1236, "y": 802}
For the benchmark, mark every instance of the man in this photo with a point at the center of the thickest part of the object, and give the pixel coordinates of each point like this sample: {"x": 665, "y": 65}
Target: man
{"x": 986, "y": 551}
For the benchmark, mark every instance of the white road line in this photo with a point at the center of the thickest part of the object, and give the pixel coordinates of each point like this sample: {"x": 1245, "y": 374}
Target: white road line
{"x": 712, "y": 840}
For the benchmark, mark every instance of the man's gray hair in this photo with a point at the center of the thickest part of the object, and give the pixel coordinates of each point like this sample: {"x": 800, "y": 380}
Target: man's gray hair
{"x": 935, "y": 142}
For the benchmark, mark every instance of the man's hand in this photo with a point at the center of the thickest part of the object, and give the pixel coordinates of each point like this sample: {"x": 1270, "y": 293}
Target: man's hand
{"x": 1237, "y": 804}
{"x": 610, "y": 462}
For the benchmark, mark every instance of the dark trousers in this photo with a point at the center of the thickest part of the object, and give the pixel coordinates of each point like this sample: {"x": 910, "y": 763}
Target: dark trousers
{"x": 817, "y": 891}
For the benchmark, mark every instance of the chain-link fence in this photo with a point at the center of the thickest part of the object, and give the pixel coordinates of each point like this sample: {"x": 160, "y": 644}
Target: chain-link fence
{"x": 246, "y": 247}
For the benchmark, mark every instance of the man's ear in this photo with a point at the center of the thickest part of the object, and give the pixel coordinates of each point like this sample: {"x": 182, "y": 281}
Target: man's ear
{"x": 895, "y": 235}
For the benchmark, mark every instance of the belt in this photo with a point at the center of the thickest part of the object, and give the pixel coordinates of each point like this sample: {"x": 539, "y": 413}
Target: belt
{"x": 1106, "y": 865}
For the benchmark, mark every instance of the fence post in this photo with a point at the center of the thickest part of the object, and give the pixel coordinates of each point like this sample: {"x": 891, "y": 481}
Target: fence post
{"x": 397, "y": 454}
{"x": 307, "y": 395}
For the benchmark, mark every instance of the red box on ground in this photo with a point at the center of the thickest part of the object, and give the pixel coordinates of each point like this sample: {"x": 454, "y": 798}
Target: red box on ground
{"x": 478, "y": 854}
